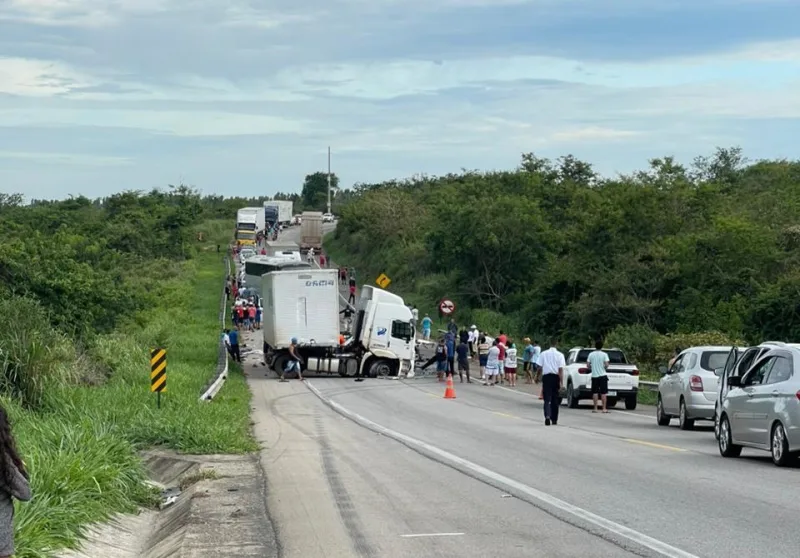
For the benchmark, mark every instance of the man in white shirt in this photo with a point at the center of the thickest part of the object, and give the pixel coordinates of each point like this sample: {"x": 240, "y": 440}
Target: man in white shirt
{"x": 473, "y": 340}
{"x": 552, "y": 363}
{"x": 598, "y": 363}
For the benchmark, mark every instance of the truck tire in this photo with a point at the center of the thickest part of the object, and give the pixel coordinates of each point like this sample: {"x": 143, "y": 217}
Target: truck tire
{"x": 279, "y": 363}
{"x": 380, "y": 367}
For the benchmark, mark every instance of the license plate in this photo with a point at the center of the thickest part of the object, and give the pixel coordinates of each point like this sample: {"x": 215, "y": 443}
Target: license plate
{"x": 612, "y": 393}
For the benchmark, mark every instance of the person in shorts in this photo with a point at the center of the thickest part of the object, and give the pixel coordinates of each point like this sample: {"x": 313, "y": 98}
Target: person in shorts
{"x": 483, "y": 355}
{"x": 598, "y": 363}
{"x": 493, "y": 365}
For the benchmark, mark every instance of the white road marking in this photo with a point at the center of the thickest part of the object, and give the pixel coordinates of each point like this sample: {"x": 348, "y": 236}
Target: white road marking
{"x": 606, "y": 524}
{"x": 431, "y": 535}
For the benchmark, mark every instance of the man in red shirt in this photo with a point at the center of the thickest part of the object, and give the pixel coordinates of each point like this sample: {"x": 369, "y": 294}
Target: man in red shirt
{"x": 501, "y": 344}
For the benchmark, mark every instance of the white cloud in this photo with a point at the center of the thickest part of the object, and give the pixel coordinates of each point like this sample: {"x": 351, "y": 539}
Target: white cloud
{"x": 593, "y": 133}
{"x": 179, "y": 123}
{"x": 73, "y": 159}
{"x": 39, "y": 78}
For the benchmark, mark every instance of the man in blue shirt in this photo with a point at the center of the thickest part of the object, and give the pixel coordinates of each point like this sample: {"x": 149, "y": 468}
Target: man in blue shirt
{"x": 450, "y": 343}
{"x": 426, "y": 327}
{"x": 233, "y": 336}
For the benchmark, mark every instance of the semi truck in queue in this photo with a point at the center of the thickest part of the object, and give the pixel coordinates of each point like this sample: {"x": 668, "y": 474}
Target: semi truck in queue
{"x": 304, "y": 304}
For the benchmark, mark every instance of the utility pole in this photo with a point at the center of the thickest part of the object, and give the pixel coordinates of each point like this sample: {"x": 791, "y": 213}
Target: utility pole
{"x": 329, "y": 179}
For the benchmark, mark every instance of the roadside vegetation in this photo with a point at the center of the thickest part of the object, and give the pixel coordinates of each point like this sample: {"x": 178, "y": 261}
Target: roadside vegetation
{"x": 668, "y": 256}
{"x": 87, "y": 287}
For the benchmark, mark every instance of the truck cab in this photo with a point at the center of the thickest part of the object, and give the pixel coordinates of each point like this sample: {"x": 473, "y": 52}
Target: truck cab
{"x": 385, "y": 330}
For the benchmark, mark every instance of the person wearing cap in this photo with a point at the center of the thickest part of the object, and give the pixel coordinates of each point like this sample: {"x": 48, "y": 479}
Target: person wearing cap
{"x": 294, "y": 363}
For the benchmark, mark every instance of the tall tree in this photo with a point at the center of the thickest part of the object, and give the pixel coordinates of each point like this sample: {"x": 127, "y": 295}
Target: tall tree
{"x": 315, "y": 190}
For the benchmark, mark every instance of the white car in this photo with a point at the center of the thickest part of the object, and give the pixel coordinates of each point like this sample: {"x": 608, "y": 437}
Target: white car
{"x": 327, "y": 217}
{"x": 623, "y": 378}
{"x": 245, "y": 254}
{"x": 688, "y": 389}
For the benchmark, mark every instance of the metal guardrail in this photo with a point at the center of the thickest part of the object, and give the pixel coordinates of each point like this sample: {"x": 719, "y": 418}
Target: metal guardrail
{"x": 222, "y": 354}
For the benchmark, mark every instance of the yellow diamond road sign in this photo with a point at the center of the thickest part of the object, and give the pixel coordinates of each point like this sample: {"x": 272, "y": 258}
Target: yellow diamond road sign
{"x": 383, "y": 281}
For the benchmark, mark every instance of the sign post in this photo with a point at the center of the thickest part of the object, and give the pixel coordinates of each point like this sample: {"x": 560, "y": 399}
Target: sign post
{"x": 383, "y": 281}
{"x": 447, "y": 306}
{"x": 158, "y": 372}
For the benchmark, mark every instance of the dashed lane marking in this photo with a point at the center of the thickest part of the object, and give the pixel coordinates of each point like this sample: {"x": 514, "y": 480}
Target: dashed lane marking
{"x": 652, "y": 444}
{"x": 533, "y": 495}
{"x": 415, "y": 535}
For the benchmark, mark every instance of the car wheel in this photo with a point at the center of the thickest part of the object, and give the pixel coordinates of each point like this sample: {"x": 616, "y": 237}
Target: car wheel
{"x": 631, "y": 402}
{"x": 716, "y": 422}
{"x": 684, "y": 422}
{"x": 780, "y": 446}
{"x": 572, "y": 397}
{"x": 726, "y": 446}
{"x": 661, "y": 417}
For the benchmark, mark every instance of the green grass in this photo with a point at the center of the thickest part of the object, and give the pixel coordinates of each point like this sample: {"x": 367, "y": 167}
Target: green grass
{"x": 81, "y": 444}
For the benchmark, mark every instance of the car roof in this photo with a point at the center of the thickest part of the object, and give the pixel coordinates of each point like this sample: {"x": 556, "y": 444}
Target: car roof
{"x": 726, "y": 348}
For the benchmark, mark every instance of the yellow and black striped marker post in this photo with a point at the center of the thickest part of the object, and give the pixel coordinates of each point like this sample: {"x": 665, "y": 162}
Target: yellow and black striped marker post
{"x": 158, "y": 372}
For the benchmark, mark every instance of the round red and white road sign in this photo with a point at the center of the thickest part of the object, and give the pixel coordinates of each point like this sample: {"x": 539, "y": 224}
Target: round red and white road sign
{"x": 447, "y": 306}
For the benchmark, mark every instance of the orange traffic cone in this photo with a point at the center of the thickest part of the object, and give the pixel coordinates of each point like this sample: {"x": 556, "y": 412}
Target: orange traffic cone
{"x": 449, "y": 390}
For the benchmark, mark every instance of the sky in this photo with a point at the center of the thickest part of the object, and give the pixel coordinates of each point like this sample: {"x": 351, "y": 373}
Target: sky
{"x": 238, "y": 97}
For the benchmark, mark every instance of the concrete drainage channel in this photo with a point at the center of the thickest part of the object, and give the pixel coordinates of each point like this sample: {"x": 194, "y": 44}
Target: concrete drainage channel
{"x": 205, "y": 500}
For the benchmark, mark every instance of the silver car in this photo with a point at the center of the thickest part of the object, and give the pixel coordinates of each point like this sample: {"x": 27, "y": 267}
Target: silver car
{"x": 762, "y": 408}
{"x": 688, "y": 389}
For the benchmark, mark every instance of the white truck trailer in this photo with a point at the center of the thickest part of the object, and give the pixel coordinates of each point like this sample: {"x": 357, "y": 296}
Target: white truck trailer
{"x": 305, "y": 304}
{"x": 278, "y": 211}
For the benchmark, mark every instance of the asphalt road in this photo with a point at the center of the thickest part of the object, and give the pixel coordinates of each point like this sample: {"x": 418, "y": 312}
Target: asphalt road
{"x": 389, "y": 468}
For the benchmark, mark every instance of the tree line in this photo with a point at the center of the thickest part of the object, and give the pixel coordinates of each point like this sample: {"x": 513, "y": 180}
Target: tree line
{"x": 552, "y": 247}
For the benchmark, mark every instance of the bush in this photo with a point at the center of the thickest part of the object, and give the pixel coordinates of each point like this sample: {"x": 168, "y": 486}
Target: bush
{"x": 666, "y": 344}
{"x": 637, "y": 341}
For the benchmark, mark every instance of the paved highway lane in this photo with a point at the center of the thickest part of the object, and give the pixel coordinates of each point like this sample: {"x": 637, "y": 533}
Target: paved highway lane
{"x": 336, "y": 489}
{"x": 663, "y": 483}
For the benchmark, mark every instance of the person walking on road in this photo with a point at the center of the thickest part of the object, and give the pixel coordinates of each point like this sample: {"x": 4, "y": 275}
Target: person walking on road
{"x": 14, "y": 484}
{"x": 483, "y": 355}
{"x": 511, "y": 364}
{"x": 294, "y": 363}
{"x": 553, "y": 363}
{"x": 462, "y": 352}
{"x": 343, "y": 275}
{"x": 598, "y": 361}
{"x": 493, "y": 364}
{"x": 415, "y": 316}
{"x": 352, "y": 298}
{"x": 251, "y": 316}
{"x": 426, "y": 327}
{"x": 233, "y": 337}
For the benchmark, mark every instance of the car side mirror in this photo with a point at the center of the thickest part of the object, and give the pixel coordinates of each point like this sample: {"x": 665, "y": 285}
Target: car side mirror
{"x": 663, "y": 370}
{"x": 735, "y": 381}
{"x": 718, "y": 371}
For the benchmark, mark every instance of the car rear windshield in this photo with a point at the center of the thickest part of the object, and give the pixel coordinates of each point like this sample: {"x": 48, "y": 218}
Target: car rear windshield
{"x": 711, "y": 360}
{"x": 614, "y": 357}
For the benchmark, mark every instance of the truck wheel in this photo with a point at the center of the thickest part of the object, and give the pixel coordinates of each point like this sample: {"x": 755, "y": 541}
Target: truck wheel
{"x": 279, "y": 364}
{"x": 380, "y": 368}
